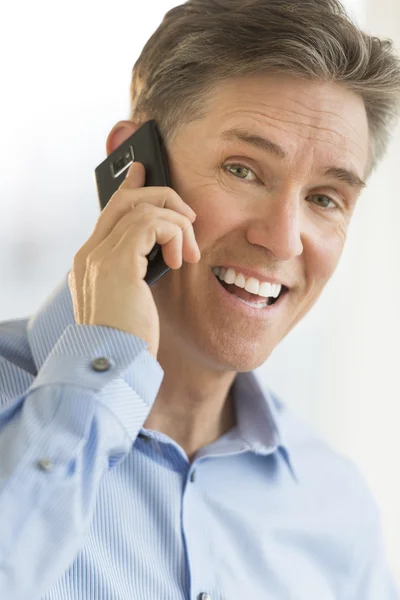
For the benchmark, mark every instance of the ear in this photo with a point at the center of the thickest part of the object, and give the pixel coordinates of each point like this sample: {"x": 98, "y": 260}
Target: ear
{"x": 119, "y": 133}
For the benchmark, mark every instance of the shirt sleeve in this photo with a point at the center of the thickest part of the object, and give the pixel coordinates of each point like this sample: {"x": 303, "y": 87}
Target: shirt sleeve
{"x": 370, "y": 574}
{"x": 77, "y": 420}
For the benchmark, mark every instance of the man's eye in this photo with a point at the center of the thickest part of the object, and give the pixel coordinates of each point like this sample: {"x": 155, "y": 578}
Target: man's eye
{"x": 241, "y": 172}
{"x": 323, "y": 201}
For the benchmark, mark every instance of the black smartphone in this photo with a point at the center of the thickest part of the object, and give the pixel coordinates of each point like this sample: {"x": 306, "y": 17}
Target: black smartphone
{"x": 145, "y": 146}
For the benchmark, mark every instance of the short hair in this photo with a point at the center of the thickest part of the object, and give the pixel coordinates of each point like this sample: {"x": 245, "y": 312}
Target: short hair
{"x": 201, "y": 43}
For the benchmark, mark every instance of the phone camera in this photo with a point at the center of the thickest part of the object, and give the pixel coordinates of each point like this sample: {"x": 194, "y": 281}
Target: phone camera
{"x": 123, "y": 162}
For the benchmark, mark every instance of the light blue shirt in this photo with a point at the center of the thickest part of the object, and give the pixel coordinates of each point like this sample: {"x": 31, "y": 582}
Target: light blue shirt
{"x": 95, "y": 507}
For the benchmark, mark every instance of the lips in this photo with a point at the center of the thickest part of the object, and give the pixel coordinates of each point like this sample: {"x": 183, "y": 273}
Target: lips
{"x": 256, "y": 293}
{"x": 257, "y": 305}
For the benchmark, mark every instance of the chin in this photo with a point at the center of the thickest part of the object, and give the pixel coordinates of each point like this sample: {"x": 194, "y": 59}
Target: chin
{"x": 245, "y": 362}
{"x": 236, "y": 355}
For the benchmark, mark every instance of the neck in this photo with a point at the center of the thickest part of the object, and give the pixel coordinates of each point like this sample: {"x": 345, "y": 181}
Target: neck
{"x": 194, "y": 405}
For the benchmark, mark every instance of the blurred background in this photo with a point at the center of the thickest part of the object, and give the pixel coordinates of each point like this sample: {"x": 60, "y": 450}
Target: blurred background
{"x": 65, "y": 74}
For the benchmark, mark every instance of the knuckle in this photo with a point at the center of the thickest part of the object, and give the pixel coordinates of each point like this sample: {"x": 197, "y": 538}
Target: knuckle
{"x": 127, "y": 194}
{"x": 79, "y": 259}
{"x": 89, "y": 260}
{"x": 97, "y": 262}
{"x": 172, "y": 195}
{"x": 145, "y": 207}
{"x": 144, "y": 210}
{"x": 123, "y": 196}
{"x": 186, "y": 223}
{"x": 92, "y": 258}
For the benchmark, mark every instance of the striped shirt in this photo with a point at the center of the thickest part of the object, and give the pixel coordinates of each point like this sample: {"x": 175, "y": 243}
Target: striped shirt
{"x": 93, "y": 506}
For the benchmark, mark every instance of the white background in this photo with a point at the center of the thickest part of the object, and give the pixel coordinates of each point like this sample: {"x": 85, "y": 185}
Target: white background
{"x": 65, "y": 75}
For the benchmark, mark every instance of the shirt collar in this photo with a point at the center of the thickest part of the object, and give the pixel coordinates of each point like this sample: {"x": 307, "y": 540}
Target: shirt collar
{"x": 259, "y": 418}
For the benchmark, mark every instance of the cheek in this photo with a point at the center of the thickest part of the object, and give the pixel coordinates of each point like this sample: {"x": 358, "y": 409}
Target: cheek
{"x": 320, "y": 258}
{"x": 324, "y": 253}
{"x": 216, "y": 214}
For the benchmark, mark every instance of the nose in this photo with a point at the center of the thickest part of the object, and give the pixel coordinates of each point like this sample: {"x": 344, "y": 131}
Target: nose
{"x": 277, "y": 227}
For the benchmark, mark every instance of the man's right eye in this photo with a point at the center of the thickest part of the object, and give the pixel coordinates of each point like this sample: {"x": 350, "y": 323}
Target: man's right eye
{"x": 240, "y": 172}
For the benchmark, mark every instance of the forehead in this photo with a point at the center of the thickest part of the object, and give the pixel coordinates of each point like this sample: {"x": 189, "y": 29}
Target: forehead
{"x": 296, "y": 113}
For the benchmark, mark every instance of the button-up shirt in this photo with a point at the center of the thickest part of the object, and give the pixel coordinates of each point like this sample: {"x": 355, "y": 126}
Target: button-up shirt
{"x": 93, "y": 506}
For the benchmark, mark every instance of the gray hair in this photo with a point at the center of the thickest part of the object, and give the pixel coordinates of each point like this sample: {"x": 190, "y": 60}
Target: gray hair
{"x": 201, "y": 43}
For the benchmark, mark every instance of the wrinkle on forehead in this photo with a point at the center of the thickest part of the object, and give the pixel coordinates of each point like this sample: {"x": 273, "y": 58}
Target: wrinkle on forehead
{"x": 326, "y": 112}
{"x": 339, "y": 143}
{"x": 332, "y": 115}
{"x": 324, "y": 135}
{"x": 317, "y": 127}
{"x": 300, "y": 126}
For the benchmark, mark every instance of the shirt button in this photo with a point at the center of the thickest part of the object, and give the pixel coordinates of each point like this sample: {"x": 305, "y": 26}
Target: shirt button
{"x": 204, "y": 596}
{"x": 45, "y": 464}
{"x": 101, "y": 364}
{"x": 192, "y": 479}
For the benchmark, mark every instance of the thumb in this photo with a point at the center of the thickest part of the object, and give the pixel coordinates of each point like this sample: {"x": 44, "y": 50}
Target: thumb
{"x": 135, "y": 177}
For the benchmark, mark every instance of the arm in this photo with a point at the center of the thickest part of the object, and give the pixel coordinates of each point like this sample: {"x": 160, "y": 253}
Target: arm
{"x": 74, "y": 422}
{"x": 57, "y": 442}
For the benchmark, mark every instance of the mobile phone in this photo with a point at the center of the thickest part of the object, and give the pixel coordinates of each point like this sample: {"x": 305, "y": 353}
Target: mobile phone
{"x": 145, "y": 146}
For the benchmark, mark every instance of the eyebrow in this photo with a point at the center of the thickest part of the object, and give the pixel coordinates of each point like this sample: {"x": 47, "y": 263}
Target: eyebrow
{"x": 257, "y": 141}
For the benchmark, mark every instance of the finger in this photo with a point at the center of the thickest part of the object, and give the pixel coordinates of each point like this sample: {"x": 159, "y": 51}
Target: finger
{"x": 190, "y": 248}
{"x": 135, "y": 177}
{"x": 142, "y": 219}
{"x": 120, "y": 202}
{"x": 134, "y": 246}
{"x": 146, "y": 217}
{"x": 127, "y": 199}
{"x": 172, "y": 251}
{"x": 164, "y": 198}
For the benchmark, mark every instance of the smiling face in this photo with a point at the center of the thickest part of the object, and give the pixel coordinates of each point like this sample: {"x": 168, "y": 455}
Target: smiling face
{"x": 272, "y": 173}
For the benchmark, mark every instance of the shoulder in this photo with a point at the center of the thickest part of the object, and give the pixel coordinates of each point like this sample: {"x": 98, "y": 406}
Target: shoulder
{"x": 326, "y": 476}
{"x": 339, "y": 520}
{"x": 17, "y": 368}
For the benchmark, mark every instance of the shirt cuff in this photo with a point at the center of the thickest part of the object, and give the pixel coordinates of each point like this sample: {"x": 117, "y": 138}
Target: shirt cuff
{"x": 128, "y": 366}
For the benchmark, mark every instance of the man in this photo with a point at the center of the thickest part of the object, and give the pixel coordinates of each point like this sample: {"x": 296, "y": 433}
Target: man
{"x": 139, "y": 457}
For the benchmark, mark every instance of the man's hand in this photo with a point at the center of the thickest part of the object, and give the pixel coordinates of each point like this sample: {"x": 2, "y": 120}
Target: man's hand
{"x": 107, "y": 278}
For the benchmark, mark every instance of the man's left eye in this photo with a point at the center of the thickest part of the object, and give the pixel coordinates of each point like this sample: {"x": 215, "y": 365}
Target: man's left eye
{"x": 241, "y": 172}
{"x": 323, "y": 201}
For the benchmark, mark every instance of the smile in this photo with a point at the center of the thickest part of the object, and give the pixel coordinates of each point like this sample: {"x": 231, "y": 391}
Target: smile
{"x": 254, "y": 293}
{"x": 254, "y": 296}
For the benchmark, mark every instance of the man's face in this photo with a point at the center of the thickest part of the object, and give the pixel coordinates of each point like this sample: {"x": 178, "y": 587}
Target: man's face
{"x": 275, "y": 214}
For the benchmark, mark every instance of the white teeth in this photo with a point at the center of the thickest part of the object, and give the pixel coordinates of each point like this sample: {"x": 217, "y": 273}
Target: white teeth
{"x": 266, "y": 290}
{"x": 230, "y": 276}
{"x": 240, "y": 280}
{"x": 250, "y": 284}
